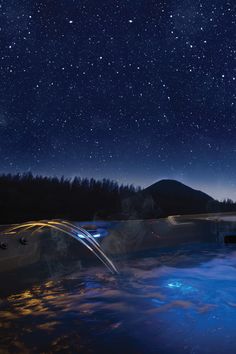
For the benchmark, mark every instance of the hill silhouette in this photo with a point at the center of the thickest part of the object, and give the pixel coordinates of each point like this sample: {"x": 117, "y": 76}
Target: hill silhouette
{"x": 175, "y": 197}
{"x": 170, "y": 197}
{"x": 27, "y": 197}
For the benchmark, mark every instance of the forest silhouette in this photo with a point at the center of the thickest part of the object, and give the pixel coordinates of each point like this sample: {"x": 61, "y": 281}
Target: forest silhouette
{"x": 26, "y": 197}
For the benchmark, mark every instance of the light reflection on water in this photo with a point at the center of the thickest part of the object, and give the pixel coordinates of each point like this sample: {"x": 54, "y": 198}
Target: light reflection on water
{"x": 179, "y": 301}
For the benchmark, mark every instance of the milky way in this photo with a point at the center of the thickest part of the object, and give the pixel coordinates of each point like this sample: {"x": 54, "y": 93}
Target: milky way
{"x": 130, "y": 90}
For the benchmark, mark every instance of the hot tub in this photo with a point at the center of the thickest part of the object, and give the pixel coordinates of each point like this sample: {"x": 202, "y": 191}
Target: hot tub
{"x": 175, "y": 291}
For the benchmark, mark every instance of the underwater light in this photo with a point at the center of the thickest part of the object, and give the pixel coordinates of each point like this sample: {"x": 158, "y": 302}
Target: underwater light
{"x": 97, "y": 233}
{"x": 175, "y": 284}
{"x": 183, "y": 287}
{"x": 94, "y": 235}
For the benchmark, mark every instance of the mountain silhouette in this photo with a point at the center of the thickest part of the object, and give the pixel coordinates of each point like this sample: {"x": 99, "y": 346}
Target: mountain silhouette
{"x": 167, "y": 197}
{"x": 26, "y": 197}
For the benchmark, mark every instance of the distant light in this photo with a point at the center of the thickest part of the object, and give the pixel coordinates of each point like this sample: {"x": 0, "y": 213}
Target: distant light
{"x": 70, "y": 21}
{"x": 130, "y": 21}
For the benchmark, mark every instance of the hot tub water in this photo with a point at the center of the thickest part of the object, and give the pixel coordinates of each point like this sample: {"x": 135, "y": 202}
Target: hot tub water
{"x": 176, "y": 300}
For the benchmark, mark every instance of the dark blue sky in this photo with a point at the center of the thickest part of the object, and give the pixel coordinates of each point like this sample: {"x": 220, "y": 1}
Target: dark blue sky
{"x": 131, "y": 90}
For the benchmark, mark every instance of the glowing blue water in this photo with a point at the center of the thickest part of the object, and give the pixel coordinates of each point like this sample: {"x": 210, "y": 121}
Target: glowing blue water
{"x": 174, "y": 301}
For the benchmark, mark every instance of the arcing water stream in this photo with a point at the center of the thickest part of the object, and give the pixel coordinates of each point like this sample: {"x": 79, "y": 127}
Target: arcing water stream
{"x": 71, "y": 230}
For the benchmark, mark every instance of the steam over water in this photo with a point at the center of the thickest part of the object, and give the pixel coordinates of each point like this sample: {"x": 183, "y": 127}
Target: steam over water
{"x": 172, "y": 301}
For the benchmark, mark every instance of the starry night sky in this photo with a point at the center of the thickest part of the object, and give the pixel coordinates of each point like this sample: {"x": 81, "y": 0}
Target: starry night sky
{"x": 133, "y": 90}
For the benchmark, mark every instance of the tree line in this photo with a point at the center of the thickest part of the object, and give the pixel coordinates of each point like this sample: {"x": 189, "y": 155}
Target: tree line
{"x": 27, "y": 197}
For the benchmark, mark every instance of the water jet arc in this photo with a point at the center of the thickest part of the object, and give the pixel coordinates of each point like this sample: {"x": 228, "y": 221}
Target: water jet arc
{"x": 71, "y": 230}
